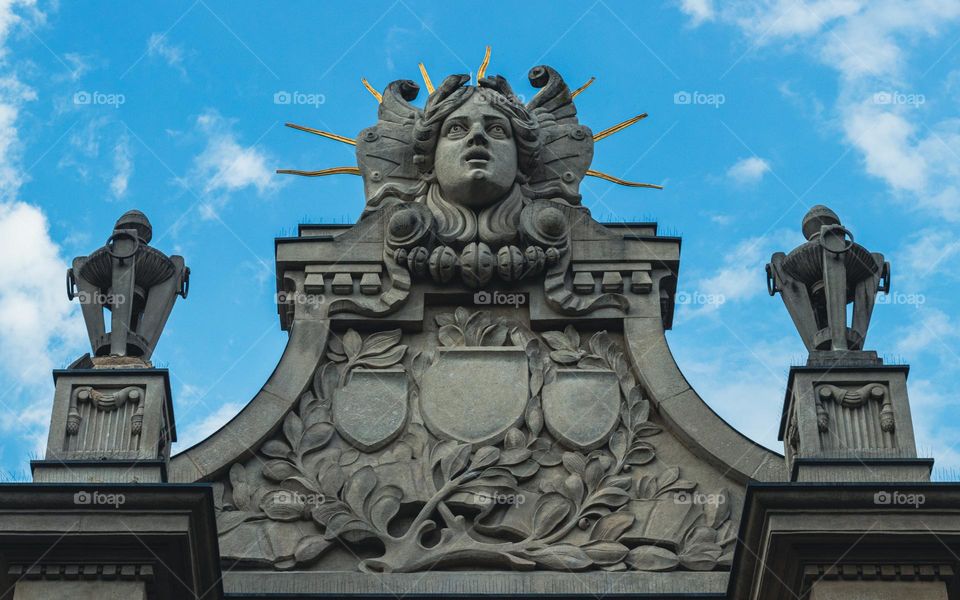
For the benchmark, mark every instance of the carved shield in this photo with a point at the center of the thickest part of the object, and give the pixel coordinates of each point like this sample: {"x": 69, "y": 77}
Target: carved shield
{"x": 475, "y": 394}
{"x": 581, "y": 407}
{"x": 371, "y": 409}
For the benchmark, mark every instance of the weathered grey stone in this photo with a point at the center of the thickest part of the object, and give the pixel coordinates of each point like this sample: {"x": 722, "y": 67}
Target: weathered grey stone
{"x": 371, "y": 410}
{"x": 581, "y": 407}
{"x": 879, "y": 590}
{"x": 475, "y": 394}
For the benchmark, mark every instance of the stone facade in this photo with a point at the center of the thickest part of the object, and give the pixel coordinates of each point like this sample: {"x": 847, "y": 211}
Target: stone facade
{"x": 477, "y": 397}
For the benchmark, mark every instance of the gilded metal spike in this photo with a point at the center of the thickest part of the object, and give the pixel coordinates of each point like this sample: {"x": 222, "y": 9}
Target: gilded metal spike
{"x": 482, "y": 71}
{"x": 426, "y": 78}
{"x": 618, "y": 127}
{"x": 618, "y": 181}
{"x": 577, "y": 91}
{"x": 322, "y": 133}
{"x": 322, "y": 172}
{"x": 370, "y": 89}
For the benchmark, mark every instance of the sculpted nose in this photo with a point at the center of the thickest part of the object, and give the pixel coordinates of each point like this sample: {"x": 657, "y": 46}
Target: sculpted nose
{"x": 477, "y": 137}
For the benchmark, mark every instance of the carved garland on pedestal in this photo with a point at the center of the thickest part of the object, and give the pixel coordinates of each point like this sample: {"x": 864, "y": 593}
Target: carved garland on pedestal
{"x": 532, "y": 498}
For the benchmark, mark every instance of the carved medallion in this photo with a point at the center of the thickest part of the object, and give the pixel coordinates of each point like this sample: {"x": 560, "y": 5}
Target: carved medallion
{"x": 475, "y": 394}
{"x": 371, "y": 409}
{"x": 581, "y": 407}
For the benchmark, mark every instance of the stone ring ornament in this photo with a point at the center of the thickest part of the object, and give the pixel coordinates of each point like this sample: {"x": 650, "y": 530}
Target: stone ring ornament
{"x": 772, "y": 288}
{"x": 71, "y": 285}
{"x": 845, "y": 236}
{"x": 121, "y": 235}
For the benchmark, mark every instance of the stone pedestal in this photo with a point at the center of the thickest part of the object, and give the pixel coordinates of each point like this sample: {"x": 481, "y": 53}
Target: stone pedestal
{"x": 108, "y": 425}
{"x": 847, "y": 419}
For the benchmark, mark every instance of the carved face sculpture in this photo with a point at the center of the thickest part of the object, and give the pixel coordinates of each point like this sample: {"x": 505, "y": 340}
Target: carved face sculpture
{"x": 476, "y": 155}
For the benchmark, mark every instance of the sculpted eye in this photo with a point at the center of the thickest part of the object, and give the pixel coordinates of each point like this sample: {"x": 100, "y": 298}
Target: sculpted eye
{"x": 498, "y": 131}
{"x": 456, "y": 129}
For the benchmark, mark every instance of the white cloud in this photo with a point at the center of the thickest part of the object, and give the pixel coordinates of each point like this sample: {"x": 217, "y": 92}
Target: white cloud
{"x": 698, "y": 10}
{"x": 122, "y": 167}
{"x": 932, "y": 331}
{"x": 225, "y": 166}
{"x": 739, "y": 278}
{"x": 205, "y": 428}
{"x": 869, "y": 45}
{"x": 158, "y": 46}
{"x": 748, "y": 170}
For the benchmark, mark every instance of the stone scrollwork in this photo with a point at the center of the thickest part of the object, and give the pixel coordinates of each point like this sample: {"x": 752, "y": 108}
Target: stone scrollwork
{"x": 855, "y": 398}
{"x": 531, "y": 491}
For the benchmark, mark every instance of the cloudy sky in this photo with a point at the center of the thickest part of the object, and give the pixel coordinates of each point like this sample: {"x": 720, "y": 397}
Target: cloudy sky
{"x": 758, "y": 110}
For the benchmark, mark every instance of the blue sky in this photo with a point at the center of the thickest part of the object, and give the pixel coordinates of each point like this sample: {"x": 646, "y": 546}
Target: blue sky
{"x": 172, "y": 108}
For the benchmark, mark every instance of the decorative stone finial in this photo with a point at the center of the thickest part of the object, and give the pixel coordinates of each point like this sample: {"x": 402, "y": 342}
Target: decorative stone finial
{"x": 819, "y": 278}
{"x": 138, "y": 284}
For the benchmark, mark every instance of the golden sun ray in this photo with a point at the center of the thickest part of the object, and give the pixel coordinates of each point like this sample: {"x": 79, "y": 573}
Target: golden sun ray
{"x": 577, "y": 91}
{"x": 322, "y": 133}
{"x": 482, "y": 71}
{"x": 322, "y": 172}
{"x": 370, "y": 89}
{"x": 618, "y": 127}
{"x": 618, "y": 181}
{"x": 426, "y": 78}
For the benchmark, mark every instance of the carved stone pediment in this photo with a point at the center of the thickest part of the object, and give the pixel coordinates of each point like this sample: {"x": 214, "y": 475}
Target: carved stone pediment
{"x": 477, "y": 374}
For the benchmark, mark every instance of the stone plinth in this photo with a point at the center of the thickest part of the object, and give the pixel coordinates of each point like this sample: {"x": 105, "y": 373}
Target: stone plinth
{"x": 850, "y": 421}
{"x": 109, "y": 425}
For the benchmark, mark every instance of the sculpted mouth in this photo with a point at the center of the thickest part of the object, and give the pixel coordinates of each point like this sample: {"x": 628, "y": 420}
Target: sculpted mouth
{"x": 476, "y": 155}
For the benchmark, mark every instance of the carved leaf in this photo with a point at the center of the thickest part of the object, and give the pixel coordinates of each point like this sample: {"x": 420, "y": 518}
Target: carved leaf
{"x": 565, "y": 357}
{"x": 717, "y": 512}
{"x": 572, "y": 335}
{"x": 646, "y": 429}
{"x": 384, "y": 505}
{"x": 534, "y": 418}
{"x": 334, "y": 344}
{"x": 618, "y": 444}
{"x": 315, "y": 437}
{"x": 494, "y": 335}
{"x": 514, "y": 439}
{"x": 652, "y": 558}
{"x": 229, "y": 520}
{"x": 310, "y": 548}
{"x": 574, "y": 462}
{"x": 605, "y": 552}
{"x": 451, "y": 336}
{"x": 527, "y": 468}
{"x": 547, "y": 454}
{"x": 557, "y": 340}
{"x": 702, "y": 557}
{"x": 455, "y": 461}
{"x": 593, "y": 473}
{"x": 278, "y": 470}
{"x": 591, "y": 362}
{"x": 293, "y": 429}
{"x": 276, "y": 449}
{"x": 349, "y": 457}
{"x": 358, "y": 488}
{"x": 550, "y": 511}
{"x": 573, "y": 488}
{"x": 444, "y": 319}
{"x": 281, "y": 506}
{"x": 612, "y": 497}
{"x": 485, "y": 457}
{"x": 612, "y": 526}
{"x": 641, "y": 454}
{"x": 560, "y": 557}
{"x": 241, "y": 489}
{"x": 380, "y": 342}
{"x": 382, "y": 361}
{"x": 352, "y": 344}
{"x": 332, "y": 480}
